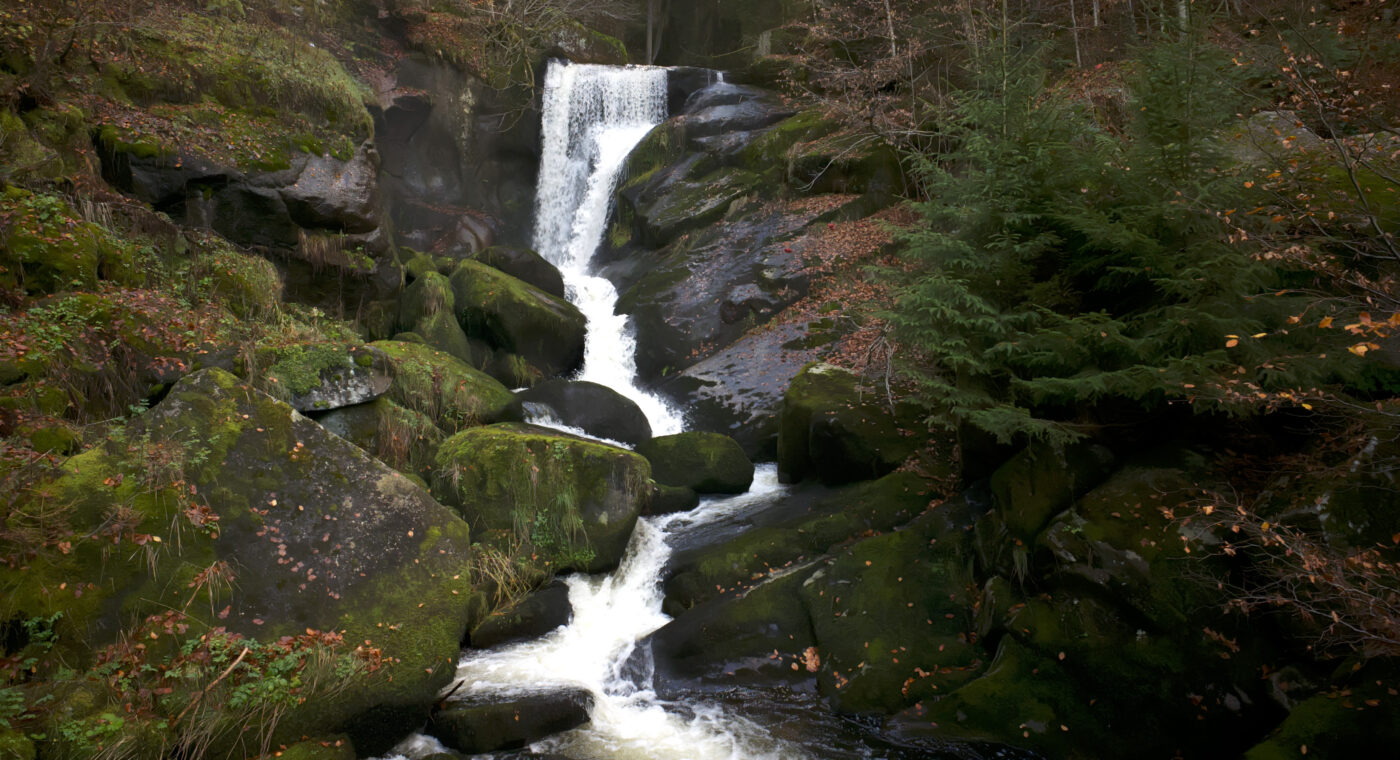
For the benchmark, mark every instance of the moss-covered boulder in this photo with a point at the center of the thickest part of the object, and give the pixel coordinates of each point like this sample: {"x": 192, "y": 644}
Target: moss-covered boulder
{"x": 47, "y": 247}
{"x": 596, "y": 409}
{"x": 324, "y": 376}
{"x": 278, "y": 527}
{"x": 1023, "y": 700}
{"x": 1124, "y": 538}
{"x": 892, "y": 619}
{"x": 574, "y": 501}
{"x": 835, "y": 428}
{"x": 401, "y": 438}
{"x": 811, "y": 530}
{"x": 673, "y": 203}
{"x": 1041, "y": 481}
{"x": 525, "y": 265}
{"x": 428, "y": 309}
{"x": 444, "y": 388}
{"x": 1360, "y": 719}
{"x": 518, "y": 318}
{"x": 333, "y": 748}
{"x": 762, "y": 637}
{"x": 702, "y": 462}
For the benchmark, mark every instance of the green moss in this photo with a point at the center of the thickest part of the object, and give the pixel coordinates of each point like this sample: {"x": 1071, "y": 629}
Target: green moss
{"x": 297, "y": 370}
{"x": 702, "y": 462}
{"x": 46, "y": 247}
{"x": 574, "y": 501}
{"x": 445, "y": 389}
{"x": 877, "y": 506}
{"x": 248, "y": 285}
{"x": 517, "y": 317}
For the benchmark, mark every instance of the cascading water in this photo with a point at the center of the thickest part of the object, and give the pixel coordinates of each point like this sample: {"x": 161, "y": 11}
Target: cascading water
{"x": 593, "y": 117}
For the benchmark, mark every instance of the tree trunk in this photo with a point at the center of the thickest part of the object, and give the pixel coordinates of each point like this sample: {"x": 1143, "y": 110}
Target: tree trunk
{"x": 1074, "y": 27}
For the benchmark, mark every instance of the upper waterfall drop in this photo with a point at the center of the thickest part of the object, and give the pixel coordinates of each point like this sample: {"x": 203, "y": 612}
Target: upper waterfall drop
{"x": 593, "y": 117}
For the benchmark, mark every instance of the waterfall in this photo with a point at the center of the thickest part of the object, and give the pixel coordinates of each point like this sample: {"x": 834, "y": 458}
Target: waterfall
{"x": 593, "y": 117}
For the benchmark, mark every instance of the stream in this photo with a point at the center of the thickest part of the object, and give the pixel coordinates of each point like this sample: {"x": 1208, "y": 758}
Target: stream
{"x": 593, "y": 117}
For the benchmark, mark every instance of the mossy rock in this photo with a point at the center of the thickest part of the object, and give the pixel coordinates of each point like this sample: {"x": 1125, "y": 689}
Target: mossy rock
{"x": 1175, "y": 686}
{"x": 518, "y": 318}
{"x": 574, "y": 501}
{"x": 667, "y": 499}
{"x": 834, "y": 428}
{"x": 430, "y": 293}
{"x": 670, "y": 205}
{"x": 531, "y": 617}
{"x": 48, "y": 248}
{"x": 772, "y": 152}
{"x": 892, "y": 618}
{"x": 1041, "y": 481}
{"x": 1119, "y": 538}
{"x": 331, "y": 748}
{"x": 401, "y": 438}
{"x": 250, "y": 286}
{"x": 444, "y": 388}
{"x": 702, "y": 462}
{"x": 845, "y": 163}
{"x": 1023, "y": 700}
{"x": 220, "y": 472}
{"x": 759, "y": 552}
{"x": 1361, "y": 721}
{"x": 315, "y": 377}
{"x": 525, "y": 265}
{"x": 759, "y": 638}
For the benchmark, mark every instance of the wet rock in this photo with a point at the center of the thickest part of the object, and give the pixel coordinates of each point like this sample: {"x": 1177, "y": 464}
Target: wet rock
{"x": 534, "y": 616}
{"x": 667, "y": 499}
{"x": 702, "y": 462}
{"x": 501, "y": 723}
{"x": 574, "y": 501}
{"x": 674, "y": 297}
{"x": 401, "y": 438}
{"x": 738, "y": 390}
{"x": 524, "y": 264}
{"x": 755, "y": 638}
{"x": 596, "y": 409}
{"x": 516, "y": 317}
{"x": 835, "y": 428}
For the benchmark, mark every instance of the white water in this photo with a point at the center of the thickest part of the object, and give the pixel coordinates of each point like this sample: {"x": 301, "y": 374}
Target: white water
{"x": 593, "y": 117}
{"x": 612, "y": 614}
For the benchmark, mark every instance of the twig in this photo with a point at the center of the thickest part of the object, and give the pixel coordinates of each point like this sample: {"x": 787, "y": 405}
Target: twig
{"x": 211, "y": 685}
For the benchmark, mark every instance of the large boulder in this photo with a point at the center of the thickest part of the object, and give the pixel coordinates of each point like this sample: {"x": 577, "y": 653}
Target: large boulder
{"x": 702, "y": 462}
{"x": 596, "y": 409}
{"x": 814, "y": 528}
{"x": 525, "y": 265}
{"x": 836, "y": 428}
{"x": 532, "y": 616}
{"x": 480, "y": 725}
{"x": 401, "y": 438}
{"x": 518, "y": 318}
{"x": 893, "y": 621}
{"x": 278, "y": 526}
{"x": 428, "y": 309}
{"x": 759, "y": 638}
{"x": 336, "y": 194}
{"x": 445, "y": 389}
{"x": 574, "y": 501}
